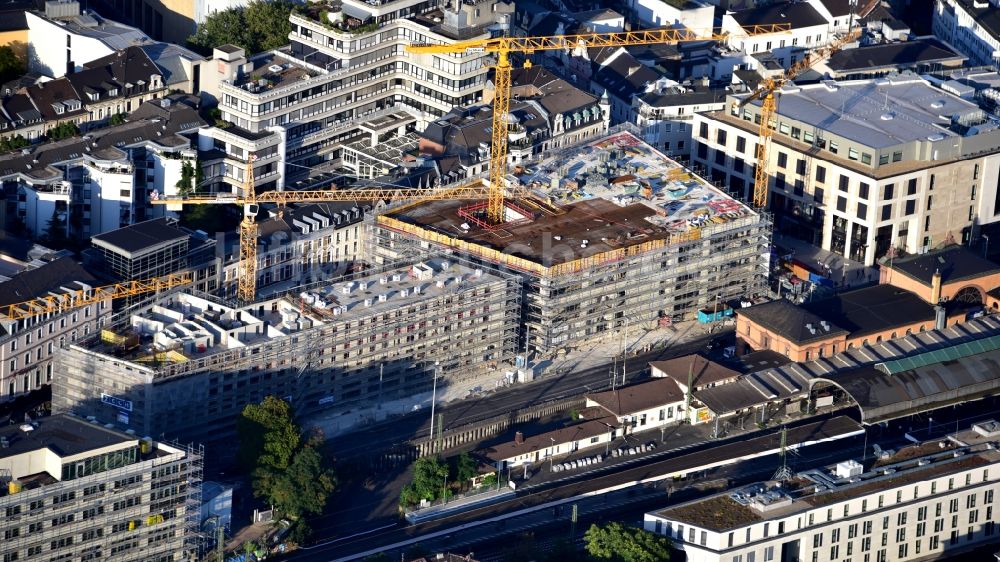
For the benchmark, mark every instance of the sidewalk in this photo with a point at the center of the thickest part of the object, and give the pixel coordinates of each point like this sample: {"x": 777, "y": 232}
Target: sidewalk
{"x": 846, "y": 273}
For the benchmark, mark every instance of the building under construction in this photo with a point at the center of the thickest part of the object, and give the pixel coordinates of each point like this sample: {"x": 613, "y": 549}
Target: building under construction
{"x": 608, "y": 233}
{"x": 188, "y": 366}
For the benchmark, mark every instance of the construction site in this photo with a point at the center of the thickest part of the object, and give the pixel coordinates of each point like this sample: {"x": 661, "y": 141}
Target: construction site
{"x": 604, "y": 234}
{"x": 187, "y": 366}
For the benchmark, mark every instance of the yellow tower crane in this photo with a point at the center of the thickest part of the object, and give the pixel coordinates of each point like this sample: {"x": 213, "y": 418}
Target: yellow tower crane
{"x": 769, "y": 105}
{"x": 494, "y": 191}
{"x": 79, "y": 298}
{"x": 502, "y": 47}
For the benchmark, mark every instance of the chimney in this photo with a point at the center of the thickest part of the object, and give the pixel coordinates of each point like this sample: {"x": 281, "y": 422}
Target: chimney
{"x": 940, "y": 318}
{"x": 519, "y": 438}
{"x": 936, "y": 287}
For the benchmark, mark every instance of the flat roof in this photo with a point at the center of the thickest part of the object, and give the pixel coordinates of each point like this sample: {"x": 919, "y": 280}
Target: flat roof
{"x": 954, "y": 263}
{"x": 922, "y": 50}
{"x": 140, "y": 236}
{"x": 816, "y": 488}
{"x": 854, "y": 110}
{"x": 609, "y": 194}
{"x": 872, "y": 309}
{"x": 784, "y": 318}
{"x": 63, "y": 434}
{"x": 184, "y": 326}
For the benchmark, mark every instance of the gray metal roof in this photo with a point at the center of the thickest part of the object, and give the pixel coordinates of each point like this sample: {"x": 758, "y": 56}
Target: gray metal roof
{"x": 860, "y": 110}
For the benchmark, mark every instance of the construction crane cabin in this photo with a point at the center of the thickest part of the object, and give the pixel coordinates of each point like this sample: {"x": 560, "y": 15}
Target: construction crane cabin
{"x": 490, "y": 205}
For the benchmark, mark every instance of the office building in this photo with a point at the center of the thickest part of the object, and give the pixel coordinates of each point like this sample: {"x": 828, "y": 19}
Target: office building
{"x": 859, "y": 167}
{"x": 972, "y": 26}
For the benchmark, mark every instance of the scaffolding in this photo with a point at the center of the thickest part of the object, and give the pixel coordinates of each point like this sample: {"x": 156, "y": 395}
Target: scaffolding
{"x": 109, "y": 515}
{"x": 346, "y": 361}
{"x": 666, "y": 278}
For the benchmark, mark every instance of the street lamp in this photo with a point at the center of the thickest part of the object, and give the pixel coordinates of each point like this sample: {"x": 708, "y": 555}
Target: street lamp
{"x": 986, "y": 247}
{"x": 437, "y": 365}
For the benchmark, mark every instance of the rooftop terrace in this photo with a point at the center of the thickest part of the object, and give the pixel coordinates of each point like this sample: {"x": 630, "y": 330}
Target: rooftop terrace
{"x": 614, "y": 193}
{"x": 184, "y": 326}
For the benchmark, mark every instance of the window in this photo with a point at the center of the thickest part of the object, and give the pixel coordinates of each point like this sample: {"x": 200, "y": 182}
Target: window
{"x": 779, "y": 180}
{"x": 897, "y": 156}
{"x": 703, "y": 131}
{"x": 886, "y": 212}
{"x": 973, "y": 198}
{"x": 862, "y": 211}
{"x": 741, "y": 144}
{"x": 883, "y": 159}
{"x": 852, "y": 154}
{"x": 834, "y": 148}
{"x": 866, "y": 158}
{"x": 911, "y": 187}
{"x": 842, "y": 204}
{"x": 863, "y": 190}
{"x": 818, "y": 195}
{"x": 769, "y": 554}
{"x": 820, "y": 174}
{"x": 782, "y": 160}
{"x": 975, "y": 172}
{"x": 887, "y": 191}
{"x": 930, "y": 201}
{"x": 911, "y": 207}
{"x": 720, "y": 137}
{"x": 800, "y": 167}
{"x": 844, "y": 183}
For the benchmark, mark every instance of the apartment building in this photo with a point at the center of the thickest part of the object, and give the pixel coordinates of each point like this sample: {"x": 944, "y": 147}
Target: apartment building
{"x": 859, "y": 167}
{"x": 62, "y": 38}
{"x": 223, "y": 154}
{"x": 73, "y": 489}
{"x": 103, "y": 180}
{"x": 665, "y": 116}
{"x": 347, "y": 64}
{"x": 302, "y": 245}
{"x": 972, "y": 26}
{"x": 189, "y": 365}
{"x": 925, "y": 501}
{"x": 808, "y": 29}
{"x": 28, "y": 345}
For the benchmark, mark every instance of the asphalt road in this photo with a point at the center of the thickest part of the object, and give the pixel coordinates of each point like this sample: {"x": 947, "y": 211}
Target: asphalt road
{"x": 397, "y": 430}
{"x": 389, "y": 532}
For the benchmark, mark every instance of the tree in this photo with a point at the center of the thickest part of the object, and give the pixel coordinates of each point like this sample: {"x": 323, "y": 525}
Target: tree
{"x": 118, "y": 118}
{"x": 186, "y": 185}
{"x": 429, "y": 475}
{"x": 304, "y": 488}
{"x": 621, "y": 543}
{"x": 288, "y": 473}
{"x": 262, "y": 25}
{"x": 466, "y": 468}
{"x": 55, "y": 231}
{"x": 64, "y": 130}
{"x": 268, "y": 436}
{"x": 267, "y": 22}
{"x": 10, "y": 65}
{"x": 15, "y": 142}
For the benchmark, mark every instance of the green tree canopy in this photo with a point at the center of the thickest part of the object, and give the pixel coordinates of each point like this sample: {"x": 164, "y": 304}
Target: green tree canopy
{"x": 55, "y": 232}
{"x": 259, "y": 26}
{"x": 118, "y": 118}
{"x": 465, "y": 468}
{"x": 268, "y": 435}
{"x": 15, "y": 142}
{"x": 186, "y": 185}
{"x": 429, "y": 474}
{"x": 622, "y": 543}
{"x": 288, "y": 473}
{"x": 10, "y": 65}
{"x": 64, "y": 130}
{"x": 304, "y": 487}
